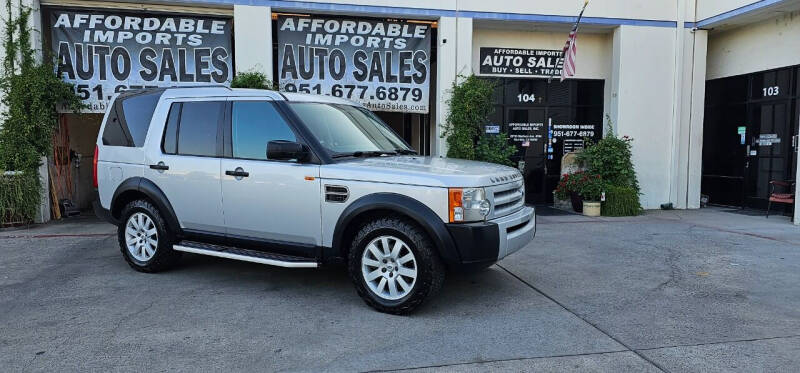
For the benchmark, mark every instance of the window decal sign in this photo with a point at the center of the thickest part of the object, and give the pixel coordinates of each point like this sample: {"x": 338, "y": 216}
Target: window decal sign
{"x": 104, "y": 52}
{"x": 525, "y": 62}
{"x": 385, "y": 65}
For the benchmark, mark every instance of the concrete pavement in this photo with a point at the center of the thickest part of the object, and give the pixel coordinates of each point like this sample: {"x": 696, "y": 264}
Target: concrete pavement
{"x": 705, "y": 290}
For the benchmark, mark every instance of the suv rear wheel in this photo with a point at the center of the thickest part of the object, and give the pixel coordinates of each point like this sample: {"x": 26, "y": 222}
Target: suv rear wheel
{"x": 394, "y": 265}
{"x": 143, "y": 238}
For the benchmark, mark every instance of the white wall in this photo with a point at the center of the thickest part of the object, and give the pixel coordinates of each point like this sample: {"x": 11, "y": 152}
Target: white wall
{"x": 642, "y": 104}
{"x": 453, "y": 58}
{"x": 711, "y": 8}
{"x": 252, "y": 31}
{"x": 632, "y": 9}
{"x": 760, "y": 46}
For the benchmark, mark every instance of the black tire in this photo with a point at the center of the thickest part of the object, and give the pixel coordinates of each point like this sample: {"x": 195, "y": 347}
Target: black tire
{"x": 430, "y": 270}
{"x": 164, "y": 257}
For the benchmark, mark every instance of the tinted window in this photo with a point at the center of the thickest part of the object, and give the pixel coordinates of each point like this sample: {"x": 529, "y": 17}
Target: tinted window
{"x": 347, "y": 129}
{"x": 115, "y": 132}
{"x": 254, "y": 125}
{"x": 197, "y": 134}
{"x": 129, "y": 119}
{"x": 590, "y": 92}
{"x": 525, "y": 92}
{"x": 771, "y": 84}
{"x": 170, "y": 143}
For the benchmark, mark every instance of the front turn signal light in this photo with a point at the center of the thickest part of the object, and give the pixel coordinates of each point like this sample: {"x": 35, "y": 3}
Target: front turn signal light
{"x": 456, "y": 206}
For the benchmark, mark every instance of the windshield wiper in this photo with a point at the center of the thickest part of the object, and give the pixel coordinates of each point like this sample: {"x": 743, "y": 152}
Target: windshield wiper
{"x": 405, "y": 151}
{"x": 368, "y": 153}
{"x": 373, "y": 153}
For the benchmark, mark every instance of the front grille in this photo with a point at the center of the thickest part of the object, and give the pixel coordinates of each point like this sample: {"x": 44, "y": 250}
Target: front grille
{"x": 507, "y": 198}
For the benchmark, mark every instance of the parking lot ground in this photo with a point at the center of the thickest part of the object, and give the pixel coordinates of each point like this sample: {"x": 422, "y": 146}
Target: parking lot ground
{"x": 703, "y": 290}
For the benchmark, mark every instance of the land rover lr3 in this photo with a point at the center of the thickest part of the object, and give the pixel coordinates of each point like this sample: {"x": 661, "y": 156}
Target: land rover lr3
{"x": 299, "y": 181}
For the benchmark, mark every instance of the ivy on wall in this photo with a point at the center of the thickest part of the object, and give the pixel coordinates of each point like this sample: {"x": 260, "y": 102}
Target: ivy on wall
{"x": 31, "y": 93}
{"x": 470, "y": 104}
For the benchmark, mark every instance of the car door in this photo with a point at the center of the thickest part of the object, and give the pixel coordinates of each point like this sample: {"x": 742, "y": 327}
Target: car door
{"x": 187, "y": 165}
{"x": 275, "y": 204}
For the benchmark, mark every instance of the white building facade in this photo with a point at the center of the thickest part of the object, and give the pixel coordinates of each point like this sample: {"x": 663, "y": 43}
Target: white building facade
{"x": 644, "y": 65}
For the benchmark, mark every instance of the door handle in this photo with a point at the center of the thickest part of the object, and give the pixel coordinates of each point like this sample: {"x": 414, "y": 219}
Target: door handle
{"x": 160, "y": 166}
{"x": 239, "y": 172}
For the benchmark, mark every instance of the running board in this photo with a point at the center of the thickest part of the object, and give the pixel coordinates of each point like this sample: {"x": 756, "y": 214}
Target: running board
{"x": 244, "y": 255}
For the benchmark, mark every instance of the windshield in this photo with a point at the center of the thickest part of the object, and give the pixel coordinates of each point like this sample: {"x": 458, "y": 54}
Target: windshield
{"x": 346, "y": 130}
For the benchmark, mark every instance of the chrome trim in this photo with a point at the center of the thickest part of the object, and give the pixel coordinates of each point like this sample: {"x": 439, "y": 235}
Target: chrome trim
{"x": 245, "y": 258}
{"x": 505, "y": 198}
{"x": 329, "y": 192}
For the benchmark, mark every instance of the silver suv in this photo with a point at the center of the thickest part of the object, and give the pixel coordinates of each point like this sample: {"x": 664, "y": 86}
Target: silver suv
{"x": 299, "y": 181}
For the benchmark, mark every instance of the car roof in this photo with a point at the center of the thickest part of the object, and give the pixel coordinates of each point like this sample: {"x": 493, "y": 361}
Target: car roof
{"x": 222, "y": 91}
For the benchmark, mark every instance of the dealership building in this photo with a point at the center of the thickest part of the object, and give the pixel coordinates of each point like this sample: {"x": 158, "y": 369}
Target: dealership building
{"x": 706, "y": 88}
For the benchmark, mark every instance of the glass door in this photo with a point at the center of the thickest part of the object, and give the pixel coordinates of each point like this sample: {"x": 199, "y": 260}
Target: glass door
{"x": 528, "y": 131}
{"x": 769, "y": 150}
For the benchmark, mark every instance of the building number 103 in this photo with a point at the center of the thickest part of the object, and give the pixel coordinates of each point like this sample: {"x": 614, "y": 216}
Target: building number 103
{"x": 771, "y": 91}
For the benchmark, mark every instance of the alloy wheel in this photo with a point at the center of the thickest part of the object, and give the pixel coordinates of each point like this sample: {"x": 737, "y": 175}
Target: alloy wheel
{"x": 141, "y": 237}
{"x": 389, "y": 267}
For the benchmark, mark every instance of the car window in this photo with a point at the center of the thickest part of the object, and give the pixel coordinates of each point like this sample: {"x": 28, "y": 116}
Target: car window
{"x": 129, "y": 119}
{"x": 254, "y": 124}
{"x": 170, "y": 142}
{"x": 346, "y": 128}
{"x": 197, "y": 132}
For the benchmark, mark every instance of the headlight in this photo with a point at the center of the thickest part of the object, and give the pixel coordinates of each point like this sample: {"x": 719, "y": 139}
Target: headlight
{"x": 468, "y": 204}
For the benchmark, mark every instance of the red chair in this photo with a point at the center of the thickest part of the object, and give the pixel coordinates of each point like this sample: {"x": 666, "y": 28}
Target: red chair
{"x": 780, "y": 197}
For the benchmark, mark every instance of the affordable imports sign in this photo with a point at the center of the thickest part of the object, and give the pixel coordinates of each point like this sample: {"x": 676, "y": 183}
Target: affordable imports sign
{"x": 524, "y": 62}
{"x": 384, "y": 65}
{"x": 103, "y": 52}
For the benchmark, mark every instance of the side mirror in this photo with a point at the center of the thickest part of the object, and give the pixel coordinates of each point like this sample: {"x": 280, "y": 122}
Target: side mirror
{"x": 282, "y": 150}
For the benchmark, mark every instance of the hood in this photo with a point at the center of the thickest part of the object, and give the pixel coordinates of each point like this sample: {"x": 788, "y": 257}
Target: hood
{"x": 417, "y": 170}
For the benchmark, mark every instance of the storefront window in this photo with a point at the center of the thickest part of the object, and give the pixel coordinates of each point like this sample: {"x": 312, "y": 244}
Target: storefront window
{"x": 546, "y": 120}
{"x": 748, "y": 135}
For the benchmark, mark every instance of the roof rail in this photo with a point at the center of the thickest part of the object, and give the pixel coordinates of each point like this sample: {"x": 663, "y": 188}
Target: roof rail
{"x": 160, "y": 88}
{"x": 202, "y": 86}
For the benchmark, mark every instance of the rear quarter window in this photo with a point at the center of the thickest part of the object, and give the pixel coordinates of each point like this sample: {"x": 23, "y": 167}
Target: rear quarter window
{"x": 129, "y": 119}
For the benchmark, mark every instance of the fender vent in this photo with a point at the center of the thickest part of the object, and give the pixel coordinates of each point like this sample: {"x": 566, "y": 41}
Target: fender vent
{"x": 336, "y": 193}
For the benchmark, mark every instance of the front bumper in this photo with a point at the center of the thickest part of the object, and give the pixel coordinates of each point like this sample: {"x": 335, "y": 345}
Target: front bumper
{"x": 484, "y": 243}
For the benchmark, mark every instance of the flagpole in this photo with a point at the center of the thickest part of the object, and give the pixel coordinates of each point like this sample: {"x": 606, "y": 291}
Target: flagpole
{"x": 577, "y": 24}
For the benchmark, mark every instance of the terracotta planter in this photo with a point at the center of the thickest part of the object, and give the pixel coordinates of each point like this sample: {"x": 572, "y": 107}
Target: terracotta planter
{"x": 591, "y": 208}
{"x": 577, "y": 202}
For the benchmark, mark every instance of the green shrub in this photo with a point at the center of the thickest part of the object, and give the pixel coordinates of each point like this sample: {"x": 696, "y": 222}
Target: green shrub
{"x": 31, "y": 94}
{"x": 495, "y": 149}
{"x": 611, "y": 159}
{"x": 621, "y": 201}
{"x": 470, "y": 104}
{"x": 570, "y": 183}
{"x": 253, "y": 79}
{"x": 592, "y": 187}
{"x": 19, "y": 197}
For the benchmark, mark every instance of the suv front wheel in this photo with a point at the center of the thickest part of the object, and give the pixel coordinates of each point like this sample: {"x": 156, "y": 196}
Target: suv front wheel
{"x": 143, "y": 238}
{"x": 394, "y": 265}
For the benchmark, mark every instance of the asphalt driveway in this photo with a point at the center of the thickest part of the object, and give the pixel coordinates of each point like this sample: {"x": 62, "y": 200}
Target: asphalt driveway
{"x": 706, "y": 290}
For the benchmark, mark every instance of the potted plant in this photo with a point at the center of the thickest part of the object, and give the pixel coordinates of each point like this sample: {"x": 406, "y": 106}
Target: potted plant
{"x": 592, "y": 190}
{"x": 569, "y": 187}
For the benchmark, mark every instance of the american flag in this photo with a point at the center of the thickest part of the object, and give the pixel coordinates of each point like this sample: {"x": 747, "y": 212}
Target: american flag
{"x": 570, "y": 51}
